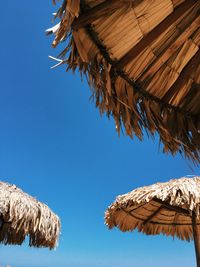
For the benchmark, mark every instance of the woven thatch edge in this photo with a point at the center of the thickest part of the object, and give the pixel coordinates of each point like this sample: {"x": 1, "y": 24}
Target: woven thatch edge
{"x": 183, "y": 192}
{"x": 23, "y": 216}
{"x": 177, "y": 129}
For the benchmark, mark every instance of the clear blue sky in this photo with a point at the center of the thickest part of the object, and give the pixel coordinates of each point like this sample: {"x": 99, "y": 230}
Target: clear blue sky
{"x": 56, "y": 147}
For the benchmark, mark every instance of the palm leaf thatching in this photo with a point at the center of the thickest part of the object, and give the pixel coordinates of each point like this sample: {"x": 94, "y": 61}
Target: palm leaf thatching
{"x": 165, "y": 208}
{"x": 171, "y": 208}
{"x": 22, "y": 215}
{"x": 142, "y": 61}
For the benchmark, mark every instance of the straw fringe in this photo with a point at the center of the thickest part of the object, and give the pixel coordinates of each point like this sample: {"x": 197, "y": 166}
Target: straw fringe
{"x": 22, "y": 215}
{"x": 123, "y": 97}
{"x": 131, "y": 210}
{"x": 67, "y": 13}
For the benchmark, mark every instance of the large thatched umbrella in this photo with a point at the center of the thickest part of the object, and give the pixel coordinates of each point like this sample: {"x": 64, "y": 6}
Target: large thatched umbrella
{"x": 22, "y": 215}
{"x": 171, "y": 208}
{"x": 142, "y": 59}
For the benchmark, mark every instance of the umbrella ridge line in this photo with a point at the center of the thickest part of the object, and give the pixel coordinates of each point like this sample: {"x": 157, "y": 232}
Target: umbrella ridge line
{"x": 155, "y": 222}
{"x": 135, "y": 85}
{"x": 161, "y": 213}
{"x": 163, "y": 205}
{"x": 149, "y": 38}
{"x": 153, "y": 215}
{"x": 172, "y": 195}
{"x": 135, "y": 108}
{"x": 170, "y": 207}
{"x": 167, "y": 206}
{"x": 167, "y": 216}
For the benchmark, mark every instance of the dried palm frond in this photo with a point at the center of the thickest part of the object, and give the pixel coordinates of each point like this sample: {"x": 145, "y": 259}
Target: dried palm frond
{"x": 165, "y": 208}
{"x": 142, "y": 59}
{"x": 22, "y": 215}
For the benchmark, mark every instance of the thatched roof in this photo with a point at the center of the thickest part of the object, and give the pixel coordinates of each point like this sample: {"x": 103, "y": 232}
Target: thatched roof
{"x": 22, "y": 215}
{"x": 142, "y": 60}
{"x": 165, "y": 208}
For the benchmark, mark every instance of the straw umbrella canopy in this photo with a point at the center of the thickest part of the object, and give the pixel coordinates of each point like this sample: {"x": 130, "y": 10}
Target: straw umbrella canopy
{"x": 171, "y": 208}
{"x": 22, "y": 215}
{"x": 142, "y": 61}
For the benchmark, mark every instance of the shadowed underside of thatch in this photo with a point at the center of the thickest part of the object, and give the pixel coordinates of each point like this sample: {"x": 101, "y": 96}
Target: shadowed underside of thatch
{"x": 22, "y": 215}
{"x": 165, "y": 208}
{"x": 142, "y": 60}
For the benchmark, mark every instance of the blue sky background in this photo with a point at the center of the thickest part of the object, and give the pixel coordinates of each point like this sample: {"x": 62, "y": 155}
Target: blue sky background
{"x": 56, "y": 147}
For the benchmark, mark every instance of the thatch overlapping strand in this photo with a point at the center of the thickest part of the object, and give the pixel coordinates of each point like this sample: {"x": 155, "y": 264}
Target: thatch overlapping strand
{"x": 22, "y": 215}
{"x": 165, "y": 208}
{"x": 142, "y": 62}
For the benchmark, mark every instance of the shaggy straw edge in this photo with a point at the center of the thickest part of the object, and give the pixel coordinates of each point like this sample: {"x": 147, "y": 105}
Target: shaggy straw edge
{"x": 182, "y": 193}
{"x": 136, "y": 109}
{"x": 22, "y": 215}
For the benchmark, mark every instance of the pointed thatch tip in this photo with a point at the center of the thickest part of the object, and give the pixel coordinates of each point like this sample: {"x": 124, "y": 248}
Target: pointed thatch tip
{"x": 22, "y": 215}
{"x": 165, "y": 208}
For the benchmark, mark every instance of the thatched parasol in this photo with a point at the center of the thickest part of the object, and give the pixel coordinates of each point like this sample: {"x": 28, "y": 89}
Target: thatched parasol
{"x": 142, "y": 59}
{"x": 22, "y": 215}
{"x": 171, "y": 208}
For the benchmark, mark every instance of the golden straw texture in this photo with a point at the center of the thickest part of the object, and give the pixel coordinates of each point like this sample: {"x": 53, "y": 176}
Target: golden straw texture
{"x": 22, "y": 215}
{"x": 142, "y": 62}
{"x": 165, "y": 208}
